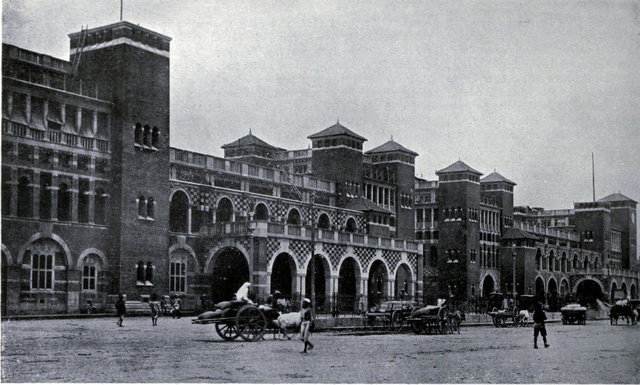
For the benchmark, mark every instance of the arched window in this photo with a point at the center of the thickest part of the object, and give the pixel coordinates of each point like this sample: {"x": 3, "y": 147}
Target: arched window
{"x": 24, "y": 197}
{"x": 150, "y": 208}
{"x": 43, "y": 255}
{"x": 261, "y": 212}
{"x": 64, "y": 203}
{"x": 148, "y": 273}
{"x": 155, "y": 135}
{"x": 100, "y": 207}
{"x": 146, "y": 136}
{"x": 142, "y": 207}
{"x": 140, "y": 271}
{"x": 351, "y": 226}
{"x": 323, "y": 221}
{"x": 224, "y": 211}
{"x": 138, "y": 134}
{"x": 178, "y": 212}
{"x": 294, "y": 217}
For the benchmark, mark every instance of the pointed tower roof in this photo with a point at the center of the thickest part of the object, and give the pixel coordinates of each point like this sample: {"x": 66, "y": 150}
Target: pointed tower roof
{"x": 391, "y": 146}
{"x": 250, "y": 140}
{"x": 616, "y": 197}
{"x": 458, "y": 166}
{"x": 495, "y": 177}
{"x": 336, "y": 130}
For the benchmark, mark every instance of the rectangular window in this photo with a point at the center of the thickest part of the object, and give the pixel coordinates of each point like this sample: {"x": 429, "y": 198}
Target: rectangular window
{"x": 178, "y": 277}
{"x": 89, "y": 278}
{"x": 41, "y": 271}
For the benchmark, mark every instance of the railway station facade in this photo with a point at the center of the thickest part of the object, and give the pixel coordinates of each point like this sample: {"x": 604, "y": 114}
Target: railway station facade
{"x": 96, "y": 202}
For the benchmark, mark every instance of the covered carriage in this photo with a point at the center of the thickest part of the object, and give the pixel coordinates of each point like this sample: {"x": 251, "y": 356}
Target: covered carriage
{"x": 574, "y": 313}
{"x": 433, "y": 319}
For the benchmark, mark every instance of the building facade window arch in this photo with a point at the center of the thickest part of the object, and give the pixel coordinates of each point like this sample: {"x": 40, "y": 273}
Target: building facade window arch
{"x": 224, "y": 210}
{"x": 142, "y": 207}
{"x": 261, "y": 212}
{"x": 293, "y": 217}
{"x": 323, "y": 221}
{"x": 179, "y": 211}
{"x": 91, "y": 269}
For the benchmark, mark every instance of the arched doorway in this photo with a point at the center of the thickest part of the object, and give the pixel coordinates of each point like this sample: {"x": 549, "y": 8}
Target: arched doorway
{"x": 348, "y": 286}
{"x": 540, "y": 290}
{"x": 294, "y": 217}
{"x": 623, "y": 288}
{"x": 552, "y": 299}
{"x": 403, "y": 282}
{"x": 351, "y": 226}
{"x": 3, "y": 283}
{"x": 324, "y": 222}
{"x": 378, "y": 283}
{"x": 262, "y": 213}
{"x": 488, "y": 286}
{"x": 282, "y": 275}
{"x": 224, "y": 211}
{"x": 230, "y": 271}
{"x": 588, "y": 292}
{"x": 178, "y": 212}
{"x": 564, "y": 291}
{"x": 321, "y": 276}
{"x": 612, "y": 295}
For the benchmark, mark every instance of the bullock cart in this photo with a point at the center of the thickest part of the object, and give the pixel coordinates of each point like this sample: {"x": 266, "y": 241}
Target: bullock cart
{"x": 431, "y": 319}
{"x": 391, "y": 315}
{"x": 625, "y": 308}
{"x": 233, "y": 319}
{"x": 502, "y": 318}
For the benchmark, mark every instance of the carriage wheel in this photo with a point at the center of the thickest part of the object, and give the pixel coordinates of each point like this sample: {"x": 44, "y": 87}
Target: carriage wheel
{"x": 496, "y": 322}
{"x": 227, "y": 331}
{"x": 417, "y": 326}
{"x": 250, "y": 323}
{"x": 455, "y": 327}
{"x": 396, "y": 321}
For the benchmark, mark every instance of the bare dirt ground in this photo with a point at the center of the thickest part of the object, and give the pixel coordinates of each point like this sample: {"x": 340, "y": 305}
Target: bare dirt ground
{"x": 97, "y": 350}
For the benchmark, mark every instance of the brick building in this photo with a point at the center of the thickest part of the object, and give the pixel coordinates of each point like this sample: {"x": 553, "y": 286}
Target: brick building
{"x": 96, "y": 202}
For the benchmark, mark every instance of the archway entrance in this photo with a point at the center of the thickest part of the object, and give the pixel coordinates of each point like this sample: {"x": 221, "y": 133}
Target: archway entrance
{"x": 589, "y": 292}
{"x": 347, "y": 297}
{"x": 282, "y": 275}
{"x": 378, "y": 285}
{"x": 320, "y": 282}
{"x": 553, "y": 296}
{"x": 230, "y": 271}
{"x": 540, "y": 290}
{"x": 403, "y": 282}
{"x": 488, "y": 286}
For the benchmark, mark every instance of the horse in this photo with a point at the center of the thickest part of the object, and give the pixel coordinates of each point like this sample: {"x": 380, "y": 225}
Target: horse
{"x": 454, "y": 320}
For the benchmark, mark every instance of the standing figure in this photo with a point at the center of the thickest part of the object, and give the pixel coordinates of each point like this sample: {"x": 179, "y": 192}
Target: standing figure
{"x": 176, "y": 307}
{"x": 121, "y": 309}
{"x": 539, "y": 317}
{"x": 155, "y": 311}
{"x": 305, "y": 324}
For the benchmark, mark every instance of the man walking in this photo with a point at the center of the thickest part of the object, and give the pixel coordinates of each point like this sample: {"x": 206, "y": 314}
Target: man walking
{"x": 539, "y": 317}
{"x": 305, "y": 324}
{"x": 120, "y": 309}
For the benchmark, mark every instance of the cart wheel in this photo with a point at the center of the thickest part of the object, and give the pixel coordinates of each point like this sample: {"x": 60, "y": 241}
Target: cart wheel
{"x": 227, "y": 331}
{"x": 250, "y": 323}
{"x": 417, "y": 327}
{"x": 396, "y": 321}
{"x": 496, "y": 322}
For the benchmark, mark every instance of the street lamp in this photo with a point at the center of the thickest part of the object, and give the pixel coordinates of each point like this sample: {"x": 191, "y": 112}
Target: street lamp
{"x": 513, "y": 253}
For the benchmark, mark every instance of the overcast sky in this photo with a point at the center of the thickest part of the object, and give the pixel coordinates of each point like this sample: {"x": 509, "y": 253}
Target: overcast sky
{"x": 528, "y": 88}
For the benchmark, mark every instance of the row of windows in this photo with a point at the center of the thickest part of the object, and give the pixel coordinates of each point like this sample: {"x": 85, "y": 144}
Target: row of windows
{"x": 391, "y": 157}
{"x": 459, "y": 177}
{"x": 146, "y": 137}
{"x": 406, "y": 200}
{"x": 53, "y": 158}
{"x": 47, "y": 200}
{"x": 497, "y": 186}
{"x": 146, "y": 208}
{"x": 337, "y": 142}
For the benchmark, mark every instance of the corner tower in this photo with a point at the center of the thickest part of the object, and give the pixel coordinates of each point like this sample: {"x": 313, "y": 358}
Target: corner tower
{"x": 623, "y": 217}
{"x": 459, "y": 205}
{"x": 131, "y": 64}
{"x": 400, "y": 161}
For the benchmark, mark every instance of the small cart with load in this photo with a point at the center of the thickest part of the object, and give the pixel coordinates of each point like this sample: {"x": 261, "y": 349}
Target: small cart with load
{"x": 574, "y": 313}
{"x": 391, "y": 315}
{"x": 431, "y": 319}
{"x": 233, "y": 319}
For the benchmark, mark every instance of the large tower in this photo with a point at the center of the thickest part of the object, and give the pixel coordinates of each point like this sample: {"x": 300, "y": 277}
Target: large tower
{"x": 132, "y": 63}
{"x": 400, "y": 161}
{"x": 500, "y": 191}
{"x": 623, "y": 218}
{"x": 459, "y": 206}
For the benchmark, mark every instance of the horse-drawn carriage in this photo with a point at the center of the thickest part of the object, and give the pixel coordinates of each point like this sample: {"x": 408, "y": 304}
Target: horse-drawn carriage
{"x": 573, "y": 313}
{"x": 435, "y": 319}
{"x": 391, "y": 315}
{"x": 625, "y": 308}
{"x": 502, "y": 318}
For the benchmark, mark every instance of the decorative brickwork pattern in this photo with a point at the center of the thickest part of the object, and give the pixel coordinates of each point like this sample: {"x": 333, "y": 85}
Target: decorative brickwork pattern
{"x": 301, "y": 250}
{"x": 366, "y": 254}
{"x": 335, "y": 252}
{"x": 273, "y": 245}
{"x": 392, "y": 258}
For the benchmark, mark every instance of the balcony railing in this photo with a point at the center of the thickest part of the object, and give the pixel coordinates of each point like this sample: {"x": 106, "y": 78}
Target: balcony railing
{"x": 23, "y": 131}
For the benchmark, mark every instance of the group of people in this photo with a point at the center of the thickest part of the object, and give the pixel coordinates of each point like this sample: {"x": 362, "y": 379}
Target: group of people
{"x": 157, "y": 308}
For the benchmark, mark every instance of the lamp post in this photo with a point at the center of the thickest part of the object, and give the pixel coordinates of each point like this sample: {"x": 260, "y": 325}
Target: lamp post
{"x": 513, "y": 253}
